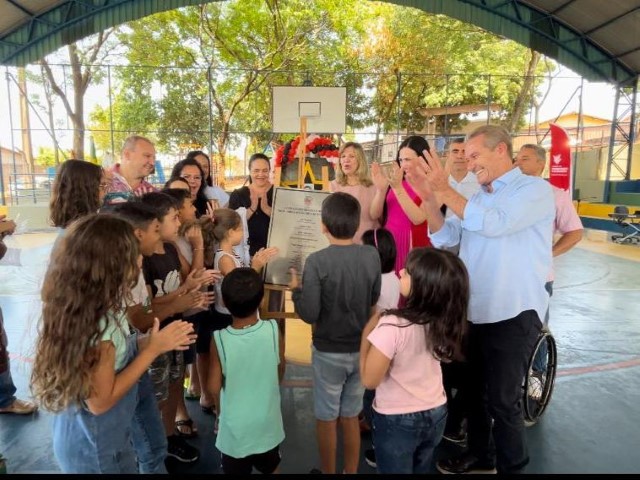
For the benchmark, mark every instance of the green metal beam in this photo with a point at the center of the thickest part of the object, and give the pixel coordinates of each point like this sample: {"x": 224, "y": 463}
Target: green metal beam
{"x": 72, "y": 20}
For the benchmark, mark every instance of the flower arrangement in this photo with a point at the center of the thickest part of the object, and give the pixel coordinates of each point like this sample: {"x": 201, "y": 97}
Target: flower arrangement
{"x": 319, "y": 146}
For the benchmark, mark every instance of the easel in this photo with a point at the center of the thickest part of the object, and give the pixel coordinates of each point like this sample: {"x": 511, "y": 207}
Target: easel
{"x": 265, "y": 309}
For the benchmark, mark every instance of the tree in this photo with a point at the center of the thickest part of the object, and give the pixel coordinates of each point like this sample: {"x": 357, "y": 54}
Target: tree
{"x": 203, "y": 75}
{"x": 219, "y": 61}
{"x": 494, "y": 71}
{"x": 46, "y": 157}
{"x": 83, "y": 57}
{"x": 539, "y": 97}
{"x": 421, "y": 61}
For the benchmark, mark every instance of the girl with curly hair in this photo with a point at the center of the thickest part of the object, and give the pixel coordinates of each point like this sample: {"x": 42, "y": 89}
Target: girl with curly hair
{"x": 87, "y": 365}
{"x": 78, "y": 189}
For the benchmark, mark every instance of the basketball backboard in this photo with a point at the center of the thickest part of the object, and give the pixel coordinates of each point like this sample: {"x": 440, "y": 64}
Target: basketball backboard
{"x": 323, "y": 107}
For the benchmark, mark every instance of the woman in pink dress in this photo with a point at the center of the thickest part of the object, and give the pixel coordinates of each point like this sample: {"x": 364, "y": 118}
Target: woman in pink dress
{"x": 395, "y": 205}
{"x": 352, "y": 177}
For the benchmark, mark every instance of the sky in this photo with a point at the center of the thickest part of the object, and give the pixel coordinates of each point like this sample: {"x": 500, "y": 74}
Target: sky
{"x": 598, "y": 100}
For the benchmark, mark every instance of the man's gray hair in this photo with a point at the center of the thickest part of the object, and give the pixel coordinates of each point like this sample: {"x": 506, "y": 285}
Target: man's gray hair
{"x": 541, "y": 152}
{"x": 493, "y": 135}
{"x": 131, "y": 141}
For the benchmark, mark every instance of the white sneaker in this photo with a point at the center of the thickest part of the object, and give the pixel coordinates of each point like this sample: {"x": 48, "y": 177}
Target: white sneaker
{"x": 534, "y": 387}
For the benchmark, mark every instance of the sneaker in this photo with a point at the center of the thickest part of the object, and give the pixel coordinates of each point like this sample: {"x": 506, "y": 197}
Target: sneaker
{"x": 458, "y": 436}
{"x": 370, "y": 457}
{"x": 179, "y": 449}
{"x": 314, "y": 471}
{"x": 20, "y": 407}
{"x": 534, "y": 386}
{"x": 465, "y": 464}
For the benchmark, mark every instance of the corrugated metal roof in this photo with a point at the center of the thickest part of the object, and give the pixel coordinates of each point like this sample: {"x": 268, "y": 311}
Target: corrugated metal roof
{"x": 598, "y": 39}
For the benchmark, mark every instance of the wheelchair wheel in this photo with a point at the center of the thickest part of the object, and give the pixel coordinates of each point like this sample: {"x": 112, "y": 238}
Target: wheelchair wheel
{"x": 541, "y": 374}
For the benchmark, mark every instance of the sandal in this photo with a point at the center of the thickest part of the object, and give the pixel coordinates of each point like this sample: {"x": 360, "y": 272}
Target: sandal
{"x": 210, "y": 410}
{"x": 187, "y": 424}
{"x": 191, "y": 396}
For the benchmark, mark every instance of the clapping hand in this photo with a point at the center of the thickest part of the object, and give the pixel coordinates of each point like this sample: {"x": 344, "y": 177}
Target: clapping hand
{"x": 194, "y": 236}
{"x": 393, "y": 172}
{"x": 210, "y": 210}
{"x": 379, "y": 179}
{"x": 262, "y": 256}
{"x": 178, "y": 335}
{"x": 429, "y": 178}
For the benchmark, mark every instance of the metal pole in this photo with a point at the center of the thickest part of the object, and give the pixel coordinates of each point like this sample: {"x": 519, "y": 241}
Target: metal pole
{"x": 399, "y": 108}
{"x": 213, "y": 173}
{"x": 13, "y": 147}
{"x": 632, "y": 127}
{"x": 44, "y": 125}
{"x": 489, "y": 100}
{"x": 579, "y": 134}
{"x": 2, "y": 197}
{"x": 612, "y": 138}
{"x": 113, "y": 144}
{"x": 445, "y": 129}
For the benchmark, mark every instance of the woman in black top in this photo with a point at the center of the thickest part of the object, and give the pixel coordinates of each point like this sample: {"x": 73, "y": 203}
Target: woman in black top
{"x": 257, "y": 198}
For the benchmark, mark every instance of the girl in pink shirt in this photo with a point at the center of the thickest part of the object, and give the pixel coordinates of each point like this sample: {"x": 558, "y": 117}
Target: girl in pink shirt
{"x": 400, "y": 358}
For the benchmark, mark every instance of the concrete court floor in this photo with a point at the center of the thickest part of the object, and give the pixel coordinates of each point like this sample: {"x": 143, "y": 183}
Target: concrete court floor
{"x": 591, "y": 425}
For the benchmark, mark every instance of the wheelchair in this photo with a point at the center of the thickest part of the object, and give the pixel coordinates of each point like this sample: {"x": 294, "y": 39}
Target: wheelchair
{"x": 629, "y": 224}
{"x": 538, "y": 383}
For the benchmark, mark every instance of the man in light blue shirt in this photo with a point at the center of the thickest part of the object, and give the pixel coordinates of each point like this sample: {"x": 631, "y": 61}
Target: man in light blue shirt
{"x": 505, "y": 236}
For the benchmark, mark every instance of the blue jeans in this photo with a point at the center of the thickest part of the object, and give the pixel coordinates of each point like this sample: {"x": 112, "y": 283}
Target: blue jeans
{"x": 148, "y": 435}
{"x": 88, "y": 443}
{"x": 7, "y": 388}
{"x": 405, "y": 443}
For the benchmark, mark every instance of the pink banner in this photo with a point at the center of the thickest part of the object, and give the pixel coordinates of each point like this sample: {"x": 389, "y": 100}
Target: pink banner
{"x": 560, "y": 161}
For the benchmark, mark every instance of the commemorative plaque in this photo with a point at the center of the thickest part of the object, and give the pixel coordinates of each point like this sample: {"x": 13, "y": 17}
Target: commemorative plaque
{"x": 295, "y": 228}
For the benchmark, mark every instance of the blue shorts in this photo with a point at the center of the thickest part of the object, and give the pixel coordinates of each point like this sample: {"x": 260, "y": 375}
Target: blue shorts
{"x": 337, "y": 389}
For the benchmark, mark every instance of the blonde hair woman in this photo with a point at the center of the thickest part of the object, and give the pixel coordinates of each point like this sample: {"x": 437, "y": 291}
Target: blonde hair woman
{"x": 352, "y": 177}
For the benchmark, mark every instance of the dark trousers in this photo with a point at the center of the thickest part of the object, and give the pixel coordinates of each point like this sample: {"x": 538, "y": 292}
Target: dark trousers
{"x": 454, "y": 379}
{"x": 498, "y": 357}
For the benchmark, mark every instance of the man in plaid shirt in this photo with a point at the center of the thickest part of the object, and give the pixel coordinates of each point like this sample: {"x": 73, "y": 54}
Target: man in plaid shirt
{"x": 128, "y": 177}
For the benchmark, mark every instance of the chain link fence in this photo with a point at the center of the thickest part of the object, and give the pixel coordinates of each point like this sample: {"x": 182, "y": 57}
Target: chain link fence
{"x": 228, "y": 114}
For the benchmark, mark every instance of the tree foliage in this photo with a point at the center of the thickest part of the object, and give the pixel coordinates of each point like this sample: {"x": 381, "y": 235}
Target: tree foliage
{"x": 203, "y": 75}
{"x": 83, "y": 59}
{"x": 46, "y": 157}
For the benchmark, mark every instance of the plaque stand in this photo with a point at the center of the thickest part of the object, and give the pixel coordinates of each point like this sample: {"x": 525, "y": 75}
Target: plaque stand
{"x": 302, "y": 150}
{"x": 276, "y": 293}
